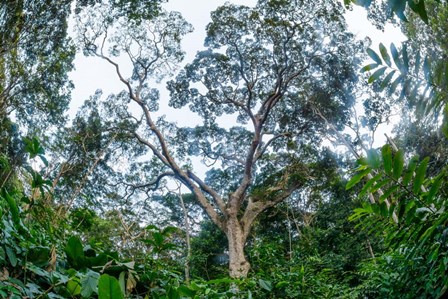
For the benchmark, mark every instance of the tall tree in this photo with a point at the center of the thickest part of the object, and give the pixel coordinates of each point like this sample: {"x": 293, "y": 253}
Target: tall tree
{"x": 35, "y": 56}
{"x": 269, "y": 67}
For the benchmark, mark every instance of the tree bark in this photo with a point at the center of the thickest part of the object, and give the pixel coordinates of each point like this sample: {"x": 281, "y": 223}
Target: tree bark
{"x": 238, "y": 264}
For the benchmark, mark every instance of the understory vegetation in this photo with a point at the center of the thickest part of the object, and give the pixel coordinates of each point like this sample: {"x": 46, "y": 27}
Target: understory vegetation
{"x": 280, "y": 190}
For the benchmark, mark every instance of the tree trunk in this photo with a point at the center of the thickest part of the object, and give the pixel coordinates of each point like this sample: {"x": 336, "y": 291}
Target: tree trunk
{"x": 187, "y": 237}
{"x": 238, "y": 265}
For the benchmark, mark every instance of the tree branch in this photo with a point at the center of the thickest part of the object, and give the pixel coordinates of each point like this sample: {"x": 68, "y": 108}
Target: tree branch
{"x": 219, "y": 201}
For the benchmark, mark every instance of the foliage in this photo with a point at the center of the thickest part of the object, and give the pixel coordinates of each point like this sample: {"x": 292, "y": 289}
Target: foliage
{"x": 38, "y": 261}
{"x": 412, "y": 224}
{"x": 423, "y": 79}
{"x": 398, "y": 7}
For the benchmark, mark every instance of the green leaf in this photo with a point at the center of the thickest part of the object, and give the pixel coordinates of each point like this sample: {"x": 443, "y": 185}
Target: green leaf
{"x": 420, "y": 175}
{"x": 395, "y": 56}
{"x": 435, "y": 187}
{"x": 401, "y": 210}
{"x": 405, "y": 60}
{"x": 398, "y": 6}
{"x": 427, "y": 234}
{"x": 386, "y": 153}
{"x": 374, "y": 56}
{"x": 410, "y": 170}
{"x": 398, "y": 165}
{"x": 172, "y": 293}
{"x": 384, "y": 54}
{"x": 11, "y": 256}
{"x": 122, "y": 282}
{"x": 362, "y": 161}
{"x": 169, "y": 230}
{"x": 419, "y": 8}
{"x": 98, "y": 260}
{"x": 387, "y": 80}
{"x": 75, "y": 252}
{"x": 380, "y": 185}
{"x": 13, "y": 208}
{"x": 2, "y": 256}
{"x": 378, "y": 73}
{"x": 222, "y": 280}
{"x": 388, "y": 192}
{"x": 356, "y": 178}
{"x": 373, "y": 158}
{"x": 74, "y": 287}
{"x": 369, "y": 67}
{"x": 364, "y": 3}
{"x": 158, "y": 239}
{"x": 89, "y": 283}
{"x": 109, "y": 288}
{"x": 33, "y": 147}
{"x": 39, "y": 256}
{"x": 184, "y": 290}
{"x": 265, "y": 284}
{"x": 360, "y": 213}
{"x": 395, "y": 84}
{"x": 369, "y": 184}
{"x": 37, "y": 270}
{"x": 281, "y": 284}
{"x": 383, "y": 211}
{"x": 44, "y": 160}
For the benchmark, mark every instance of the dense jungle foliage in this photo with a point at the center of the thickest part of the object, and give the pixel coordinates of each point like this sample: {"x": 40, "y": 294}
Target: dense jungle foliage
{"x": 278, "y": 191}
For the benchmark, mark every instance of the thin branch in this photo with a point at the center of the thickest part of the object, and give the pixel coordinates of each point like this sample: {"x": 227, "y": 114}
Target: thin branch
{"x": 261, "y": 151}
{"x": 153, "y": 148}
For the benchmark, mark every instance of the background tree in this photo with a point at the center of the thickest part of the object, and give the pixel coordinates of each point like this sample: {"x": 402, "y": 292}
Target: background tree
{"x": 35, "y": 56}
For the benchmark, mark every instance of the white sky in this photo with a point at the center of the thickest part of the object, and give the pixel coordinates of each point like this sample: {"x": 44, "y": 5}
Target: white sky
{"x": 93, "y": 73}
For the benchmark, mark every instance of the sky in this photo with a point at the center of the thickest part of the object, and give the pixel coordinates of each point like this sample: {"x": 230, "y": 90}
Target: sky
{"x": 93, "y": 73}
